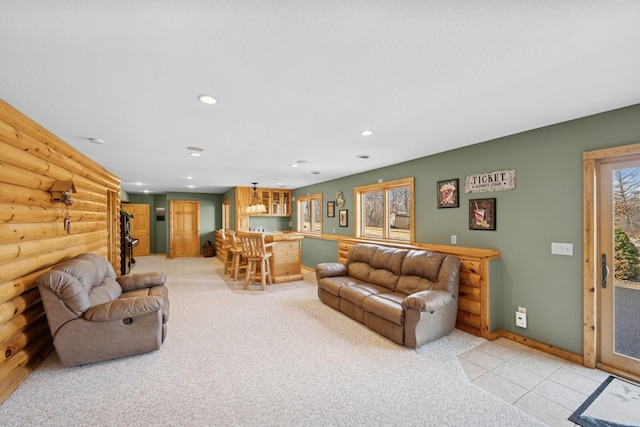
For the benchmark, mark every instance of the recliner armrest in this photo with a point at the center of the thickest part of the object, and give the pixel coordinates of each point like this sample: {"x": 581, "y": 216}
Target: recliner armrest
{"x": 429, "y": 300}
{"x": 124, "y": 308}
{"x": 132, "y": 282}
{"x": 331, "y": 269}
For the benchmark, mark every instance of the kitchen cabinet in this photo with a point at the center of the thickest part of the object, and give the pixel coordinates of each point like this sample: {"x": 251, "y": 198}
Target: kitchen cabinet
{"x": 277, "y": 202}
{"x": 280, "y": 203}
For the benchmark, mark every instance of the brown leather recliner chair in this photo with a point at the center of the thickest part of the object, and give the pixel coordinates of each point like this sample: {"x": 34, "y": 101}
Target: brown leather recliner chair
{"x": 93, "y": 316}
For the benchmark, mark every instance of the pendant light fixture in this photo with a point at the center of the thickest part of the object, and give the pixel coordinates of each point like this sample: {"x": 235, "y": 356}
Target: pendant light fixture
{"x": 256, "y": 207}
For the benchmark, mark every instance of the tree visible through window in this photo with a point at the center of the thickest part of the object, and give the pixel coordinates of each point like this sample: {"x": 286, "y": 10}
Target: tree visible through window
{"x": 385, "y": 210}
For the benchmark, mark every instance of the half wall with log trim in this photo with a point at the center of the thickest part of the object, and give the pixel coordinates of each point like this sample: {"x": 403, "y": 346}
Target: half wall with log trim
{"x": 33, "y": 236}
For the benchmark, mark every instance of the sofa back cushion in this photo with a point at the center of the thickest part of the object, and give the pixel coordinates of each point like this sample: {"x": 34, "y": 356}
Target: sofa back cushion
{"x": 377, "y": 265}
{"x": 420, "y": 270}
{"x": 82, "y": 282}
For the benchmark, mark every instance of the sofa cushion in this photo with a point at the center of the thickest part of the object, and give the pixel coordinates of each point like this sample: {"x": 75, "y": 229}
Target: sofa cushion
{"x": 422, "y": 263}
{"x": 359, "y": 271}
{"x": 384, "y": 278}
{"x": 68, "y": 289}
{"x": 89, "y": 274}
{"x": 106, "y": 291}
{"x": 156, "y": 291}
{"x": 357, "y": 293}
{"x": 410, "y": 284}
{"x": 333, "y": 284}
{"x": 388, "y": 259}
{"x": 376, "y": 264}
{"x": 386, "y": 306}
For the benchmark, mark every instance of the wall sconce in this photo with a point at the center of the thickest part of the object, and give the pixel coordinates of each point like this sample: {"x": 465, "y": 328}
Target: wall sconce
{"x": 61, "y": 192}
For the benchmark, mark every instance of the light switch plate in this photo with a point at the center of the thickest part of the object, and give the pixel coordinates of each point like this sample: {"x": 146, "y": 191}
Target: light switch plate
{"x": 562, "y": 248}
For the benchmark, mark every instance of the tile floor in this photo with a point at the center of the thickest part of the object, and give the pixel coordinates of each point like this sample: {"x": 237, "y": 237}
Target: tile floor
{"x": 547, "y": 387}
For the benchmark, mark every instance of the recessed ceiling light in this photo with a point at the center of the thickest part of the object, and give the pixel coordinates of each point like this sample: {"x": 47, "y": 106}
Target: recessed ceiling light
{"x": 97, "y": 140}
{"x": 362, "y": 156}
{"x": 138, "y": 183}
{"x": 207, "y": 99}
{"x": 366, "y": 133}
{"x": 195, "y": 154}
{"x": 294, "y": 165}
{"x": 189, "y": 177}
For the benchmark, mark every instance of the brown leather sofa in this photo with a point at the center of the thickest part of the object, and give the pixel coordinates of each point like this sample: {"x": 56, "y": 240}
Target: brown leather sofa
{"x": 408, "y": 296}
{"x": 93, "y": 316}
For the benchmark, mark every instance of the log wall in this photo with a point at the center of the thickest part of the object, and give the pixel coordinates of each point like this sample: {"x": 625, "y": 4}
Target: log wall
{"x": 33, "y": 236}
{"x": 473, "y": 298}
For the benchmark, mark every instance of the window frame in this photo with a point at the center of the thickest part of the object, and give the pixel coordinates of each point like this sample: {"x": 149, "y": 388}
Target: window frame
{"x": 300, "y": 213}
{"x": 385, "y": 187}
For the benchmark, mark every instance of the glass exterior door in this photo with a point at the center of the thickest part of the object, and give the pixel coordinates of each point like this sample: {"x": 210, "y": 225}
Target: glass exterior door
{"x": 619, "y": 290}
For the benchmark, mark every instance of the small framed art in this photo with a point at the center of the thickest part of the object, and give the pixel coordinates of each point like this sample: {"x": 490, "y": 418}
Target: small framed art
{"x": 342, "y": 216}
{"x": 331, "y": 209}
{"x": 482, "y": 214}
{"x": 448, "y": 193}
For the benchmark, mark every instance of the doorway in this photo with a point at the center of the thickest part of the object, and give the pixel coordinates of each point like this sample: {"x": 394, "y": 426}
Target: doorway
{"x": 612, "y": 260}
{"x": 226, "y": 214}
{"x": 184, "y": 228}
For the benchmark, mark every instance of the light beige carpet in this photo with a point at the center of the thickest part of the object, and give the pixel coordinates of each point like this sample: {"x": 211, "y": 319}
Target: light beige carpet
{"x": 279, "y": 358}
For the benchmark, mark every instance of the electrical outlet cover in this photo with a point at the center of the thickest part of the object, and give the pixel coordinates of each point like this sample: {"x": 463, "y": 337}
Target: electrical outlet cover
{"x": 521, "y": 320}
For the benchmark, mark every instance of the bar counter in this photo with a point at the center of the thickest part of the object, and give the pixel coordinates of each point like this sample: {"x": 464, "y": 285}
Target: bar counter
{"x": 286, "y": 261}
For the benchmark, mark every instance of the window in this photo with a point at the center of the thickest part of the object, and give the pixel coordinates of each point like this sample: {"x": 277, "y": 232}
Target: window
{"x": 385, "y": 210}
{"x": 310, "y": 213}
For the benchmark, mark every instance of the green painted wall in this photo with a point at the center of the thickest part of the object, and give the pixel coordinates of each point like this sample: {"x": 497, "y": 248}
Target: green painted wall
{"x": 210, "y": 216}
{"x": 545, "y": 207}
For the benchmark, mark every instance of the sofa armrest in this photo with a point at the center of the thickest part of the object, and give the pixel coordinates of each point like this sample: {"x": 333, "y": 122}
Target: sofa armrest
{"x": 124, "y": 308}
{"x": 429, "y": 300}
{"x": 132, "y": 282}
{"x": 331, "y": 269}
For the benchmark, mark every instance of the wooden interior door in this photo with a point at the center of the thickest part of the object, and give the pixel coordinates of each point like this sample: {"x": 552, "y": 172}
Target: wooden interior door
{"x": 184, "y": 228}
{"x": 140, "y": 228}
{"x": 243, "y": 200}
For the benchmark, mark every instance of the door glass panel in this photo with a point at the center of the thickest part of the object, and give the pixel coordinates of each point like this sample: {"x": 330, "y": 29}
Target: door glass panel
{"x": 626, "y": 265}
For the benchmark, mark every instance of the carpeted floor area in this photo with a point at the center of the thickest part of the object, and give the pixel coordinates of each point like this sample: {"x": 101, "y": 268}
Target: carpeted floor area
{"x": 277, "y": 358}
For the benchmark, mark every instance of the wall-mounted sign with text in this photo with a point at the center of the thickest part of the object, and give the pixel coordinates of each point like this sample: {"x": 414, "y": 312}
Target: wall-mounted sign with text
{"x": 490, "y": 181}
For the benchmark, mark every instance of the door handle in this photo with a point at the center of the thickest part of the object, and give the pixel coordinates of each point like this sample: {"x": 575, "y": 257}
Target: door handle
{"x": 605, "y": 271}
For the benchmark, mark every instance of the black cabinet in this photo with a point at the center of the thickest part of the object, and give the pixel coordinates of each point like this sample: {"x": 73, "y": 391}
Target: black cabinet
{"x": 126, "y": 245}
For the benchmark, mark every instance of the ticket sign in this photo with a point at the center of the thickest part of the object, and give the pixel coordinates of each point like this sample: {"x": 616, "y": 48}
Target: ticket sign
{"x": 490, "y": 181}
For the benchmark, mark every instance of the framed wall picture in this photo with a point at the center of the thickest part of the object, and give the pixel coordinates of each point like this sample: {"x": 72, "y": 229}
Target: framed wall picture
{"x": 160, "y": 214}
{"x": 342, "y": 217}
{"x": 448, "y": 193}
{"x": 331, "y": 209}
{"x": 482, "y": 214}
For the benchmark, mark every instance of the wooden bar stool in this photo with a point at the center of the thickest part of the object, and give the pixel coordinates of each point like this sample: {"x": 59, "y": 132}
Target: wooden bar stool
{"x": 255, "y": 252}
{"x": 237, "y": 260}
{"x": 226, "y": 249}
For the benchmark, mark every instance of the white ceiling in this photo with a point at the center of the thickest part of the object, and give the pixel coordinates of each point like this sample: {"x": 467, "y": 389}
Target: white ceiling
{"x": 298, "y": 80}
